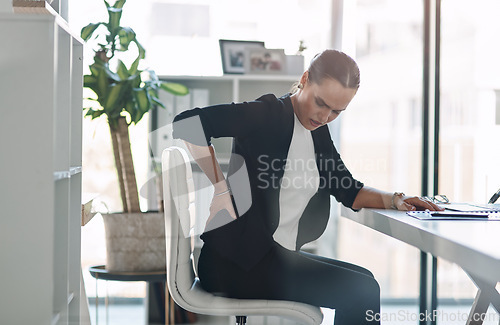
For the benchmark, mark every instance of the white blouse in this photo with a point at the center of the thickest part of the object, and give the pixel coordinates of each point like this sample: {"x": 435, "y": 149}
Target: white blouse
{"x": 299, "y": 184}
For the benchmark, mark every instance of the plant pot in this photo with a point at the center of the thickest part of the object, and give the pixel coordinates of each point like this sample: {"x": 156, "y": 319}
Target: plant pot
{"x": 135, "y": 242}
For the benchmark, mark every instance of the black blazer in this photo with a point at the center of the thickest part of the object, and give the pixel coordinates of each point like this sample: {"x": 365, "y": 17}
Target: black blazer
{"x": 262, "y": 132}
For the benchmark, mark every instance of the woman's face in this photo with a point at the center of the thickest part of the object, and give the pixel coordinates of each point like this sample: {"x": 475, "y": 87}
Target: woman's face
{"x": 318, "y": 104}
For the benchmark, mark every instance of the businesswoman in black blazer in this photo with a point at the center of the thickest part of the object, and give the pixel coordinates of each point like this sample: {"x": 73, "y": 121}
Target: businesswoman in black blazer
{"x": 253, "y": 250}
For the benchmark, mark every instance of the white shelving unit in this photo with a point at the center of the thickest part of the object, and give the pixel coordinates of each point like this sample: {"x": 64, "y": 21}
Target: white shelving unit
{"x": 40, "y": 174}
{"x": 227, "y": 88}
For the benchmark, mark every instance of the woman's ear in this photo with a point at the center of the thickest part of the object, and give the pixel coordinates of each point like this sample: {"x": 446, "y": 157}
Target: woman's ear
{"x": 304, "y": 77}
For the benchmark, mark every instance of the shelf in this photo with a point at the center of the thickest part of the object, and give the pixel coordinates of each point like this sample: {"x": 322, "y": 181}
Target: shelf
{"x": 61, "y": 175}
{"x": 48, "y": 104}
{"x": 41, "y": 13}
{"x": 58, "y": 175}
{"x": 75, "y": 170}
{"x": 243, "y": 77}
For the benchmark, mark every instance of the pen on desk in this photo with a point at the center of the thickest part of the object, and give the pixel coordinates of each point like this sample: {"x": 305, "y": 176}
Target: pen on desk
{"x": 495, "y": 197}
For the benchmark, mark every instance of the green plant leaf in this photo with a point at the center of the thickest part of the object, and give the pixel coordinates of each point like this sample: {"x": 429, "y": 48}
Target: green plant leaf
{"x": 134, "y": 66}
{"x": 174, "y": 88}
{"x": 136, "y": 82}
{"x": 130, "y": 108}
{"x": 119, "y": 3}
{"x": 94, "y": 69}
{"x": 96, "y": 114}
{"x": 93, "y": 113}
{"x": 92, "y": 87}
{"x": 139, "y": 116}
{"x": 153, "y": 92}
{"x": 157, "y": 101}
{"x": 112, "y": 75}
{"x": 134, "y": 111}
{"x": 142, "y": 51}
{"x": 89, "y": 111}
{"x": 115, "y": 14}
{"x": 89, "y": 81}
{"x": 122, "y": 70}
{"x": 153, "y": 95}
{"x": 102, "y": 85}
{"x": 112, "y": 99}
{"x": 142, "y": 99}
{"x": 110, "y": 40}
{"x": 153, "y": 76}
{"x": 126, "y": 35}
{"x": 88, "y": 30}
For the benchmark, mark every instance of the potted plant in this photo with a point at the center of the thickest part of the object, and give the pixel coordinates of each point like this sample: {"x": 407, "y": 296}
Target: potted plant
{"x": 124, "y": 94}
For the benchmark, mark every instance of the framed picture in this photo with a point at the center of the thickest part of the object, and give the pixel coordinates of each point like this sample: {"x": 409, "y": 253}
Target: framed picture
{"x": 265, "y": 61}
{"x": 233, "y": 54}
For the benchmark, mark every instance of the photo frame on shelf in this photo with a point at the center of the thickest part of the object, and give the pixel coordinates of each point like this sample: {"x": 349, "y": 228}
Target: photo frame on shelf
{"x": 233, "y": 54}
{"x": 265, "y": 61}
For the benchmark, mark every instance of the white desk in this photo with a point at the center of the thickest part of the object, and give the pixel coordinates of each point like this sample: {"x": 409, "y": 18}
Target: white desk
{"x": 473, "y": 245}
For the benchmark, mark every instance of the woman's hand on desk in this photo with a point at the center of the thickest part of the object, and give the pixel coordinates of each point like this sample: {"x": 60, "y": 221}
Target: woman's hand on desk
{"x": 369, "y": 197}
{"x": 413, "y": 203}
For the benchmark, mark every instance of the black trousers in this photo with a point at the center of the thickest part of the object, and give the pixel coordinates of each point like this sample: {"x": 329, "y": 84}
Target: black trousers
{"x": 296, "y": 276}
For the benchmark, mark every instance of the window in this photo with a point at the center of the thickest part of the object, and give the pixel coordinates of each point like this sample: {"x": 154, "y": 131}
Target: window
{"x": 180, "y": 38}
{"x": 469, "y": 129}
{"x": 381, "y": 137}
{"x": 470, "y": 79}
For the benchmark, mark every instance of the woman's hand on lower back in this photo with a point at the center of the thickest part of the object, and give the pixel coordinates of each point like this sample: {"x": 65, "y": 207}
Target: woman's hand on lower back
{"x": 220, "y": 202}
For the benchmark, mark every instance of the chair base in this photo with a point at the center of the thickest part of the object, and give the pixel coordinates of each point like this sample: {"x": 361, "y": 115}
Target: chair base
{"x": 241, "y": 320}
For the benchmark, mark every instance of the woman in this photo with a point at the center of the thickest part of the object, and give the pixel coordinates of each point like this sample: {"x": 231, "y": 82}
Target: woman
{"x": 293, "y": 168}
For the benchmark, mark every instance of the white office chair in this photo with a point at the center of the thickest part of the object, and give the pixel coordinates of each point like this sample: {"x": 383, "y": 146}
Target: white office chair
{"x": 184, "y": 286}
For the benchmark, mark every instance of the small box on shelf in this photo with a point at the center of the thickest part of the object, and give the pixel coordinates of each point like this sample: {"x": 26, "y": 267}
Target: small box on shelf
{"x": 32, "y": 6}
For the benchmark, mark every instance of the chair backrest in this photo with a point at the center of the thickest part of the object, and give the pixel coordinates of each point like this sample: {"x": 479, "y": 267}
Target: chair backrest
{"x": 178, "y": 198}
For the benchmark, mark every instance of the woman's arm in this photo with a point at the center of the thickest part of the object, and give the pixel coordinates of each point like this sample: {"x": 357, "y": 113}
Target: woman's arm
{"x": 205, "y": 158}
{"x": 369, "y": 197}
{"x": 198, "y": 126}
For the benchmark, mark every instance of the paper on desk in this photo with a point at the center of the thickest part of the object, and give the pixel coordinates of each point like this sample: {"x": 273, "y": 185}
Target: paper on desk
{"x": 454, "y": 215}
{"x": 470, "y": 207}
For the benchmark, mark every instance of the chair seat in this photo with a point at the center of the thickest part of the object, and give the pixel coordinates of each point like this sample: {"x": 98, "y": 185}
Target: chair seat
{"x": 198, "y": 300}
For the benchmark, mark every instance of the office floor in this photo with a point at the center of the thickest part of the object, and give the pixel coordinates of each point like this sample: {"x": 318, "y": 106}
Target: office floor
{"x": 134, "y": 314}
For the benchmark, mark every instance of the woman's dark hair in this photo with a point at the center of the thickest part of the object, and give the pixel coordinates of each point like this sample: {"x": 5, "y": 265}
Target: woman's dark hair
{"x": 337, "y": 65}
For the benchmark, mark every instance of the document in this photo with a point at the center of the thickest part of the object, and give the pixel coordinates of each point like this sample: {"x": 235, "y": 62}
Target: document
{"x": 464, "y": 214}
{"x": 471, "y": 207}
